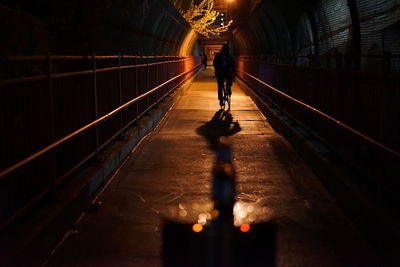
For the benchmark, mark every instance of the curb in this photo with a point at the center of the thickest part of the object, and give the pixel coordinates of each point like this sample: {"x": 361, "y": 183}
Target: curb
{"x": 30, "y": 240}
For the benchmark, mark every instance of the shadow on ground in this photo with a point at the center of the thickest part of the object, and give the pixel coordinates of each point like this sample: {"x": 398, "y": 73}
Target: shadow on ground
{"x": 220, "y": 125}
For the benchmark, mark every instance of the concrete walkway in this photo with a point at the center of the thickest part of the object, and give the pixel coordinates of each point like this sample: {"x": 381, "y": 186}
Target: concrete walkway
{"x": 173, "y": 165}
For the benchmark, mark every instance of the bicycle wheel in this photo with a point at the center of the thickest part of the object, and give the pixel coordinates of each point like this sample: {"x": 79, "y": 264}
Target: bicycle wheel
{"x": 228, "y": 100}
{"x": 223, "y": 98}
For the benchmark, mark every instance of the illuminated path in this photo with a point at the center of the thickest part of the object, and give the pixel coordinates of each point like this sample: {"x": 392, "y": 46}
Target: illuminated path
{"x": 172, "y": 166}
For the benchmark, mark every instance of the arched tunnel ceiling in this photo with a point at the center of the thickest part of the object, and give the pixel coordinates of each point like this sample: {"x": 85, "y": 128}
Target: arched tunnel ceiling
{"x": 101, "y": 26}
{"x": 271, "y": 27}
{"x": 278, "y": 27}
{"x": 260, "y": 23}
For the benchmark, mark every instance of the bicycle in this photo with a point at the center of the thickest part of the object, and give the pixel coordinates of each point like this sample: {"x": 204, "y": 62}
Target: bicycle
{"x": 226, "y": 98}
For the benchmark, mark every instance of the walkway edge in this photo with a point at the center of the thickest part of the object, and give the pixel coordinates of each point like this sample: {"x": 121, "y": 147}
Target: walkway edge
{"x": 377, "y": 219}
{"x": 53, "y": 219}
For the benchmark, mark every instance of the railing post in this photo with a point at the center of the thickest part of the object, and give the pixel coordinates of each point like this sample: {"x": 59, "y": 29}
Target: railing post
{"x": 121, "y": 136}
{"x": 339, "y": 61}
{"x": 147, "y": 82}
{"x": 166, "y": 71}
{"x": 348, "y": 61}
{"x": 157, "y": 81}
{"x": 387, "y": 62}
{"x": 172, "y": 70}
{"x": 95, "y": 105}
{"x": 328, "y": 60}
{"x": 136, "y": 87}
{"x": 53, "y": 162}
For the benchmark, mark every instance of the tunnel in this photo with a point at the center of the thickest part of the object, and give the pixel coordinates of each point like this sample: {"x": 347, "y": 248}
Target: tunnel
{"x": 112, "y": 139}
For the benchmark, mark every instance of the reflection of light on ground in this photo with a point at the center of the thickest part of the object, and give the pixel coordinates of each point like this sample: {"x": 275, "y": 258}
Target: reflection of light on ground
{"x": 242, "y": 214}
{"x": 202, "y": 218}
{"x": 203, "y": 213}
{"x": 252, "y": 218}
{"x": 182, "y": 213}
{"x": 250, "y": 209}
{"x": 195, "y": 206}
{"x": 245, "y": 213}
{"x": 214, "y": 214}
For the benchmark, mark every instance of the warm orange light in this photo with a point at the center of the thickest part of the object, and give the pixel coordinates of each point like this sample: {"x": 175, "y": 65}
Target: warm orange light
{"x": 214, "y": 214}
{"x": 197, "y": 228}
{"x": 245, "y": 227}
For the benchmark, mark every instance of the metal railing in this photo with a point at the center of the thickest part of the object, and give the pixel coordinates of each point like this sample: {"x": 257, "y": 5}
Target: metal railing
{"x": 384, "y": 62}
{"x": 63, "y": 110}
{"x": 355, "y": 113}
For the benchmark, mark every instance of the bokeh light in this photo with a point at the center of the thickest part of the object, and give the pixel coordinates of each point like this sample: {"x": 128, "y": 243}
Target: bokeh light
{"x": 245, "y": 227}
{"x": 197, "y": 228}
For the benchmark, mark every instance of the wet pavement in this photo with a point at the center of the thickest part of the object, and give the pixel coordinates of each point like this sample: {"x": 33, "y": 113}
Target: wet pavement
{"x": 173, "y": 166}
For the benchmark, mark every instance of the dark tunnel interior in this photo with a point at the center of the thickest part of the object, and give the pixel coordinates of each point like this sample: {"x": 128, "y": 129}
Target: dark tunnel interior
{"x": 288, "y": 30}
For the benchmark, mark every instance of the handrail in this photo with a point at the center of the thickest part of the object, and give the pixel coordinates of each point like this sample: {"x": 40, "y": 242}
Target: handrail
{"x": 50, "y": 147}
{"x": 24, "y": 79}
{"x": 65, "y": 57}
{"x": 288, "y": 65}
{"x": 326, "y": 116}
{"x": 323, "y": 56}
{"x": 79, "y": 73}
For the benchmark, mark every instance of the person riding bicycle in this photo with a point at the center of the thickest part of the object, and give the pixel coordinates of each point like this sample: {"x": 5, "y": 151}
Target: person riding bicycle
{"x": 225, "y": 67}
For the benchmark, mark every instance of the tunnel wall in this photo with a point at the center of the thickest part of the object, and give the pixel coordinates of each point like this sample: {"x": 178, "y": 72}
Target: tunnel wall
{"x": 293, "y": 31}
{"x": 55, "y": 124}
{"x": 346, "y": 49}
{"x": 150, "y": 27}
{"x": 18, "y": 27}
{"x": 97, "y": 65}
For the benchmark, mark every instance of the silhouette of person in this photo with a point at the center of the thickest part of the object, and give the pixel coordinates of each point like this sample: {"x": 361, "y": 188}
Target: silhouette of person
{"x": 225, "y": 67}
{"x": 205, "y": 61}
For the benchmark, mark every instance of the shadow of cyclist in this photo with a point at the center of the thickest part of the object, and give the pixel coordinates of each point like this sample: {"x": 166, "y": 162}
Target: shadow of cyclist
{"x": 218, "y": 242}
{"x": 221, "y": 125}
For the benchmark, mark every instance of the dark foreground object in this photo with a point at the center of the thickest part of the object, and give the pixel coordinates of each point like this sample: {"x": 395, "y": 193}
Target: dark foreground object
{"x": 220, "y": 244}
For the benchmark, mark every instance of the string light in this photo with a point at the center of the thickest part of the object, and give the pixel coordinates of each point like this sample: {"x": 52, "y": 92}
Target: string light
{"x": 201, "y": 17}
